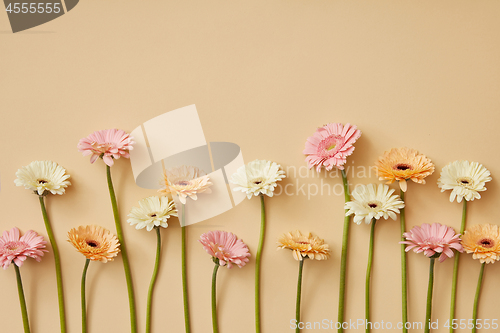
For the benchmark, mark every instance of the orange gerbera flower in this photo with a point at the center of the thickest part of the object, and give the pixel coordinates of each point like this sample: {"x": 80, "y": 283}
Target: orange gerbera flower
{"x": 402, "y": 164}
{"x": 94, "y": 242}
{"x": 483, "y": 241}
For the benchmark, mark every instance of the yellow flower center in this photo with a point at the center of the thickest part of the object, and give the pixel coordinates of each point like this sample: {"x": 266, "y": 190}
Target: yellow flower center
{"x": 332, "y": 146}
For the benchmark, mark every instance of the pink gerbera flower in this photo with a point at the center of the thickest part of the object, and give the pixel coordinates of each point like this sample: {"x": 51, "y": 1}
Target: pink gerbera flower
{"x": 433, "y": 239}
{"x": 107, "y": 144}
{"x": 14, "y": 248}
{"x": 330, "y": 145}
{"x": 225, "y": 247}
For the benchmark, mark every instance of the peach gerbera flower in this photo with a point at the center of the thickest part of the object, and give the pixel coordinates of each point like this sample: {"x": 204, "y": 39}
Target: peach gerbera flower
{"x": 185, "y": 181}
{"x": 107, "y": 144}
{"x": 483, "y": 241}
{"x": 330, "y": 145}
{"x": 94, "y": 242}
{"x": 16, "y": 248}
{"x": 304, "y": 246}
{"x": 402, "y": 164}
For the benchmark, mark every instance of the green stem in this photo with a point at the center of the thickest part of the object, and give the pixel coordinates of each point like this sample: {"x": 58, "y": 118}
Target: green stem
{"x": 404, "y": 291}
{"x": 153, "y": 280}
{"x": 299, "y": 293}
{"x": 429, "y": 297}
{"x": 22, "y": 300}
{"x": 455, "y": 269}
{"x": 257, "y": 263}
{"x": 215, "y": 323}
{"x": 343, "y": 260}
{"x": 123, "y": 248}
{"x": 368, "y": 276}
{"x": 57, "y": 259}
{"x": 476, "y": 298}
{"x": 184, "y": 272}
{"x": 84, "y": 303}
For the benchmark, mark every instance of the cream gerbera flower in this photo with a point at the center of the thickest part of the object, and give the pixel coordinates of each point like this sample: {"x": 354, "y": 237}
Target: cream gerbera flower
{"x": 483, "y": 241}
{"x": 370, "y": 202}
{"x": 465, "y": 179}
{"x": 43, "y": 177}
{"x": 257, "y": 177}
{"x": 94, "y": 242}
{"x": 152, "y": 212}
{"x": 402, "y": 164}
{"x": 185, "y": 181}
{"x": 309, "y": 246}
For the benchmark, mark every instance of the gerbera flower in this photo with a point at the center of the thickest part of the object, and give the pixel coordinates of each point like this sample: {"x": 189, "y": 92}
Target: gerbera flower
{"x": 257, "y": 177}
{"x": 330, "y": 145}
{"x": 402, "y": 164}
{"x": 152, "y": 212}
{"x": 465, "y": 179}
{"x": 107, "y": 144}
{"x": 16, "y": 248}
{"x": 303, "y": 246}
{"x": 43, "y": 177}
{"x": 185, "y": 181}
{"x": 225, "y": 247}
{"x": 371, "y": 202}
{"x": 94, "y": 242}
{"x": 483, "y": 241}
{"x": 433, "y": 239}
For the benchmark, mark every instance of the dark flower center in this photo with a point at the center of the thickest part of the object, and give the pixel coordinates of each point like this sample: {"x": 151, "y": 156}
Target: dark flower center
{"x": 258, "y": 182}
{"x": 372, "y": 205}
{"x": 302, "y": 242}
{"x": 183, "y": 183}
{"x": 92, "y": 244}
{"x": 464, "y": 182}
{"x": 486, "y": 243}
{"x": 153, "y": 215}
{"x": 42, "y": 181}
{"x": 403, "y": 167}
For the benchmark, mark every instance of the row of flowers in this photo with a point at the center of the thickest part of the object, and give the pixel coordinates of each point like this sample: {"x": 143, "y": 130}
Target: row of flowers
{"x": 329, "y": 147}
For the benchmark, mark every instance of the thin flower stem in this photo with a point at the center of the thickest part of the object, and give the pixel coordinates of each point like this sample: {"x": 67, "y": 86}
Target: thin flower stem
{"x": 153, "y": 280}
{"x": 126, "y": 264}
{"x": 84, "y": 302}
{"x": 184, "y": 272}
{"x": 257, "y": 263}
{"x": 299, "y": 293}
{"x": 343, "y": 260}
{"x": 455, "y": 270}
{"x": 57, "y": 259}
{"x": 22, "y": 300}
{"x": 476, "y": 298}
{"x": 404, "y": 291}
{"x": 215, "y": 323}
{"x": 368, "y": 276}
{"x": 429, "y": 297}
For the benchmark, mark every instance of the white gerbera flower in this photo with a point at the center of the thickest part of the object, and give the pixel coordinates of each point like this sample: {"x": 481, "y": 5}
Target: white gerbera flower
{"x": 185, "y": 181}
{"x": 465, "y": 179}
{"x": 43, "y": 177}
{"x": 152, "y": 212}
{"x": 371, "y": 202}
{"x": 258, "y": 177}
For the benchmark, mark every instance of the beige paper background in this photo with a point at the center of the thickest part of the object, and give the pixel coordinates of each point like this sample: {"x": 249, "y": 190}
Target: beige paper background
{"x": 264, "y": 75}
